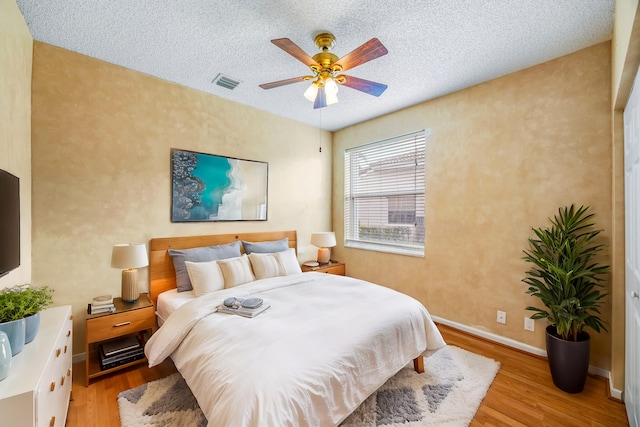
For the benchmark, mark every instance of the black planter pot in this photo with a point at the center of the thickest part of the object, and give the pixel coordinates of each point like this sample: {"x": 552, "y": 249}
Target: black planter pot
{"x": 568, "y": 360}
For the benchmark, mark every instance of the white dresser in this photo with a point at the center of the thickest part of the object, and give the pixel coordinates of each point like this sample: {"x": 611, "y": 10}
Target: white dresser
{"x": 36, "y": 393}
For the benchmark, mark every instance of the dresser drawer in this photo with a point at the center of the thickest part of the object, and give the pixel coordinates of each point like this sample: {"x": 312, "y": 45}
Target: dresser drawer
{"x": 36, "y": 392}
{"x": 55, "y": 388}
{"x": 114, "y": 325}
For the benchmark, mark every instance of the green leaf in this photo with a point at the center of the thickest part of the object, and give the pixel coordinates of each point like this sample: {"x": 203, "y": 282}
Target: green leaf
{"x": 564, "y": 275}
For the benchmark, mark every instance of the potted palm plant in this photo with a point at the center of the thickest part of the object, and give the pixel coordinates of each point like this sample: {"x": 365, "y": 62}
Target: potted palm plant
{"x": 567, "y": 280}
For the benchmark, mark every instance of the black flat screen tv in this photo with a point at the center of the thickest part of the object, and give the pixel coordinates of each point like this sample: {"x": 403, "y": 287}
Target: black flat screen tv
{"x": 9, "y": 222}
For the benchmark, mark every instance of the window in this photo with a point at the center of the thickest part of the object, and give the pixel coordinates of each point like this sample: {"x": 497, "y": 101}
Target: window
{"x": 384, "y": 195}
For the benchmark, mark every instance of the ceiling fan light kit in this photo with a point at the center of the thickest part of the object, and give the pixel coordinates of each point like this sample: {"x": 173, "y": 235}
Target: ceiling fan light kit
{"x": 326, "y": 67}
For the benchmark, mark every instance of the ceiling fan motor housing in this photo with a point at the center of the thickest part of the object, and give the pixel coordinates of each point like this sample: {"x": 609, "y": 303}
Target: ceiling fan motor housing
{"x": 324, "y": 58}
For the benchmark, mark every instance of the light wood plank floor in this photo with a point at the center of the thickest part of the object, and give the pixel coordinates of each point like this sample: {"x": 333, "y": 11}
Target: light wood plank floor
{"x": 521, "y": 395}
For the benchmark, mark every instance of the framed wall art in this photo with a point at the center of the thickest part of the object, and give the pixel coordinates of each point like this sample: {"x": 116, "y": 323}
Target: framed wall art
{"x": 206, "y": 187}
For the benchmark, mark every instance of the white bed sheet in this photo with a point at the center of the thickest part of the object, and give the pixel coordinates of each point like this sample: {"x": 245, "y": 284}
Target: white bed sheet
{"x": 170, "y": 301}
{"x": 323, "y": 347}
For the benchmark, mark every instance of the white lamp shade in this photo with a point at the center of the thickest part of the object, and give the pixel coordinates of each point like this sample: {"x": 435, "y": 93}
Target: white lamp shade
{"x": 332, "y": 98}
{"x": 129, "y": 256}
{"x": 325, "y": 239}
{"x": 330, "y": 86}
{"x": 311, "y": 92}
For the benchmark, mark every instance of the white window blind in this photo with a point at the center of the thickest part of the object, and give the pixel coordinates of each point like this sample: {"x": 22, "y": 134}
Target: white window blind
{"x": 384, "y": 195}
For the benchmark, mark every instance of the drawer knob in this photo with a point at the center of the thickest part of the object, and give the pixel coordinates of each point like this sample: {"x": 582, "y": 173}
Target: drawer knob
{"x": 68, "y": 372}
{"x": 69, "y": 333}
{"x": 117, "y": 325}
{"x": 65, "y": 349}
{"x": 52, "y": 422}
{"x": 53, "y": 386}
{"x": 58, "y": 351}
{"x": 62, "y": 381}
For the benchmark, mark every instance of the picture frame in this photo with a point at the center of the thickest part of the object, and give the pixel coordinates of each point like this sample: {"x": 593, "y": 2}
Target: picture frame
{"x": 211, "y": 188}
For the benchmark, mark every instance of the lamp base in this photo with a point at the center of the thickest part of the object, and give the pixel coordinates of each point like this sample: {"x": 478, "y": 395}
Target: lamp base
{"x": 130, "y": 291}
{"x": 324, "y": 255}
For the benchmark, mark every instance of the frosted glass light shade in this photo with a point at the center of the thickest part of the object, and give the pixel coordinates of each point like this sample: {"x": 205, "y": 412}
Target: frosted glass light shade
{"x": 311, "y": 92}
{"x": 330, "y": 86}
{"x": 332, "y": 98}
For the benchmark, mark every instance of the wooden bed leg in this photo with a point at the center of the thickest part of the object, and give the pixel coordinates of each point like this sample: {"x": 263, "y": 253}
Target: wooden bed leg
{"x": 418, "y": 364}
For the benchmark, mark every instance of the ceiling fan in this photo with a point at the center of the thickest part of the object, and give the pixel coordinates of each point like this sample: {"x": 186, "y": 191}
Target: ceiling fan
{"x": 326, "y": 67}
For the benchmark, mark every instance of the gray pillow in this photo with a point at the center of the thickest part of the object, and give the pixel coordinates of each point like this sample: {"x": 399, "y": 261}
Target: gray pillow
{"x": 266, "y": 247}
{"x": 202, "y": 254}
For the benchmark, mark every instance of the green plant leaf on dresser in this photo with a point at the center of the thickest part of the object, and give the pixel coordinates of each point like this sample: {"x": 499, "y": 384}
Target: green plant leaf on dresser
{"x": 22, "y": 301}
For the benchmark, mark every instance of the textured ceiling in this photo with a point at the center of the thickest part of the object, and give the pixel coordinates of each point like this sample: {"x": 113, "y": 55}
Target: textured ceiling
{"x": 435, "y": 47}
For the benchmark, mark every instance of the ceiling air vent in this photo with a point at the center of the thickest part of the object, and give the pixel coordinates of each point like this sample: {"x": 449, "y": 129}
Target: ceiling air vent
{"x": 226, "y": 82}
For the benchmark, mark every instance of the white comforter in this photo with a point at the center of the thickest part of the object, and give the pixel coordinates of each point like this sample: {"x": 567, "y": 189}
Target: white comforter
{"x": 326, "y": 343}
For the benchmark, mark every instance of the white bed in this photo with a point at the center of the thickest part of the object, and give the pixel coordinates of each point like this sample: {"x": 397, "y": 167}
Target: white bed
{"x": 326, "y": 343}
{"x": 170, "y": 301}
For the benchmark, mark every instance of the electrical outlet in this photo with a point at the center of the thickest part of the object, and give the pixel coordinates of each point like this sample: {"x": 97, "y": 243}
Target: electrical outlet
{"x": 529, "y": 324}
{"x": 502, "y": 317}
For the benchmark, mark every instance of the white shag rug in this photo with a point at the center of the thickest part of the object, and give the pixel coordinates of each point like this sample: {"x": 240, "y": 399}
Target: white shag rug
{"x": 448, "y": 393}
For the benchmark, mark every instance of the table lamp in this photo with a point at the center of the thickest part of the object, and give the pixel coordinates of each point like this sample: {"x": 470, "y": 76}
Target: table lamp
{"x": 129, "y": 257}
{"x": 324, "y": 241}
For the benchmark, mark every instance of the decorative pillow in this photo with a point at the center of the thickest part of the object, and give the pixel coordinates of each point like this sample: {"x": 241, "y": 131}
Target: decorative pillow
{"x": 202, "y": 254}
{"x": 236, "y": 271}
{"x": 275, "y": 264}
{"x": 206, "y": 277}
{"x": 266, "y": 265}
{"x": 266, "y": 247}
{"x": 289, "y": 262}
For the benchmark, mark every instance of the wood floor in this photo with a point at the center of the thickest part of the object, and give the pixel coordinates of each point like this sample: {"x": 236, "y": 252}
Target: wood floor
{"x": 521, "y": 395}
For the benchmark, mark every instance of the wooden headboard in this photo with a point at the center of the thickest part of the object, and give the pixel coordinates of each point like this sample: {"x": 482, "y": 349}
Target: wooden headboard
{"x": 162, "y": 275}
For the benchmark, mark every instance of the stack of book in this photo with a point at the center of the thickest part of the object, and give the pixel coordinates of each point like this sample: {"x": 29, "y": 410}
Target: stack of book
{"x": 120, "y": 351}
{"x": 240, "y": 310}
{"x": 101, "y": 304}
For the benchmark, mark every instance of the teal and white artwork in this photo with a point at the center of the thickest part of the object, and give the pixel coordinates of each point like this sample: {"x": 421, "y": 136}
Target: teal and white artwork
{"x": 206, "y": 187}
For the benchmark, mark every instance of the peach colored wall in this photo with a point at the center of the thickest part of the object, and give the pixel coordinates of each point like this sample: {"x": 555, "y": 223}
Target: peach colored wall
{"x": 15, "y": 123}
{"x": 102, "y": 136}
{"x": 501, "y": 158}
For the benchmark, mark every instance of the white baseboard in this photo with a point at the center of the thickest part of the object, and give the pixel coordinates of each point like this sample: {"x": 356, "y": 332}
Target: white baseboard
{"x": 613, "y": 392}
{"x": 492, "y": 337}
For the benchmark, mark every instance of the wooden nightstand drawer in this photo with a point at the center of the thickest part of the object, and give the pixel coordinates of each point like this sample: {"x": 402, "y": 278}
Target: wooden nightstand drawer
{"x": 114, "y": 325}
{"x": 338, "y": 269}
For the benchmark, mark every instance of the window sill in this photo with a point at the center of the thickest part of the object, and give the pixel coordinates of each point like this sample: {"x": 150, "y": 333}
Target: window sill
{"x": 398, "y": 250}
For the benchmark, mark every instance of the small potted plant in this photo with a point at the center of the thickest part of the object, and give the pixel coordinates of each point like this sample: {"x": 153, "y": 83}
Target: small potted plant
{"x": 567, "y": 280}
{"x": 20, "y": 308}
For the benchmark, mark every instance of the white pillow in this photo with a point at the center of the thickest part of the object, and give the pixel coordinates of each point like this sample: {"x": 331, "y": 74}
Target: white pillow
{"x": 265, "y": 265}
{"x": 236, "y": 271}
{"x": 205, "y": 277}
{"x": 289, "y": 262}
{"x": 275, "y": 264}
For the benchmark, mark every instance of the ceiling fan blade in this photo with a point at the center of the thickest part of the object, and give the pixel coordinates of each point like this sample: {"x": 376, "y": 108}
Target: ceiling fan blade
{"x": 283, "y": 82}
{"x": 294, "y": 50}
{"x": 321, "y": 99}
{"x": 366, "y": 86}
{"x": 370, "y": 50}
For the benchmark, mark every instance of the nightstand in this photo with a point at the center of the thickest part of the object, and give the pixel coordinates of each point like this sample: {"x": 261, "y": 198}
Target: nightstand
{"x": 333, "y": 267}
{"x": 129, "y": 318}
